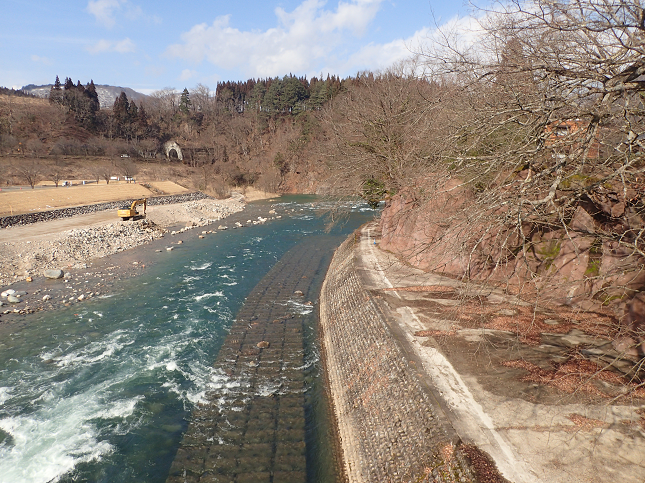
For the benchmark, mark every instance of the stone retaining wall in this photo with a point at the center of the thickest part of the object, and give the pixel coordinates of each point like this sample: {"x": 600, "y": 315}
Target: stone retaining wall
{"x": 28, "y": 218}
{"x": 389, "y": 427}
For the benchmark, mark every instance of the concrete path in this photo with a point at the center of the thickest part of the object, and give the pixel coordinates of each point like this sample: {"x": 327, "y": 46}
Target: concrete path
{"x": 507, "y": 392}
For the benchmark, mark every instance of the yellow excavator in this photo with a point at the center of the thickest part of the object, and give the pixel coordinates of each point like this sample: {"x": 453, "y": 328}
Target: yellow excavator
{"x": 130, "y": 212}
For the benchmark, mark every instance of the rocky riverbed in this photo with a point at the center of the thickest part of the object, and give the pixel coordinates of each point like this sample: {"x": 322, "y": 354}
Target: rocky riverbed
{"x": 25, "y": 259}
{"x": 20, "y": 259}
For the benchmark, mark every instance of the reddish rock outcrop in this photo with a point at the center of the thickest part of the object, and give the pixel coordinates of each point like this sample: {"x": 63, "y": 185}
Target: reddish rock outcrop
{"x": 577, "y": 264}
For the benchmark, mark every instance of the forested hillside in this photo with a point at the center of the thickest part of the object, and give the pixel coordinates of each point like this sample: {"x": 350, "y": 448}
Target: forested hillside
{"x": 254, "y": 132}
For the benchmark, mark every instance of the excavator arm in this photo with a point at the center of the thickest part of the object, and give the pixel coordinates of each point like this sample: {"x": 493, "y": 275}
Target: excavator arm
{"x": 131, "y": 212}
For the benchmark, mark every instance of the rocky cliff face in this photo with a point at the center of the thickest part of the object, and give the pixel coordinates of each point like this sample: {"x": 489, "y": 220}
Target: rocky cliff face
{"x": 575, "y": 264}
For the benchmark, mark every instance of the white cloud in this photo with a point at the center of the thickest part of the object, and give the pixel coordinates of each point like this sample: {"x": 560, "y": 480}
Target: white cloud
{"x": 104, "y": 10}
{"x": 313, "y": 39}
{"x": 461, "y": 32}
{"x": 302, "y": 39}
{"x": 122, "y": 46}
{"x": 187, "y": 74}
{"x": 41, "y": 60}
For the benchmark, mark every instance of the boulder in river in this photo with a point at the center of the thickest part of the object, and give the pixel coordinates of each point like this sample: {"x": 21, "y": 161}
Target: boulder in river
{"x": 54, "y": 274}
{"x": 13, "y": 299}
{"x": 8, "y": 292}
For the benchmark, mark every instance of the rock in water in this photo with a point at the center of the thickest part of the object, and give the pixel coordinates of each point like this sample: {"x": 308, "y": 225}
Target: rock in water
{"x": 54, "y": 274}
{"x": 13, "y": 299}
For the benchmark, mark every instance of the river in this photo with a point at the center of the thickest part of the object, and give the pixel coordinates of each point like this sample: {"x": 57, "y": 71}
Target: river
{"x": 103, "y": 391}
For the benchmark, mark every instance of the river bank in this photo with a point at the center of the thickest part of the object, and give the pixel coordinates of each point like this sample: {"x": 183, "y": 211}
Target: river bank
{"x": 99, "y": 249}
{"x": 519, "y": 392}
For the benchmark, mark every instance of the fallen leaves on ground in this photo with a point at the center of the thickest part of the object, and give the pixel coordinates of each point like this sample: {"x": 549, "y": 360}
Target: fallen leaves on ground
{"x": 576, "y": 374}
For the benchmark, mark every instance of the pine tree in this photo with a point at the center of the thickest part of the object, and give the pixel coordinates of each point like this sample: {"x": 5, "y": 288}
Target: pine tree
{"x": 120, "y": 114}
{"x": 184, "y": 102}
{"x": 56, "y": 92}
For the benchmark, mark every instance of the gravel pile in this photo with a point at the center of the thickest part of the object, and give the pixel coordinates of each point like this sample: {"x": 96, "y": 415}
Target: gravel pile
{"x": 28, "y": 218}
{"x": 73, "y": 248}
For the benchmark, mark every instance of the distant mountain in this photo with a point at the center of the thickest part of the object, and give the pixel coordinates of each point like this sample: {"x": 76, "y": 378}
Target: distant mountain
{"x": 107, "y": 94}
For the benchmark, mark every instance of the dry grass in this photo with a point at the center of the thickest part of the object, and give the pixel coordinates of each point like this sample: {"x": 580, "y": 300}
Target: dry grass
{"x": 29, "y": 200}
{"x": 576, "y": 374}
{"x": 15, "y": 101}
{"x": 529, "y": 324}
{"x": 422, "y": 288}
{"x": 583, "y": 423}
{"x": 168, "y": 187}
{"x": 483, "y": 465}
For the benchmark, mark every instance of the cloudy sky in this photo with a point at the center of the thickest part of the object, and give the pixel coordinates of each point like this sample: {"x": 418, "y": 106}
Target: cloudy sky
{"x": 148, "y": 45}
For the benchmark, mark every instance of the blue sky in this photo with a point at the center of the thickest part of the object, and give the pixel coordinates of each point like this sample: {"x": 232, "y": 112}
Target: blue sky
{"x": 150, "y": 45}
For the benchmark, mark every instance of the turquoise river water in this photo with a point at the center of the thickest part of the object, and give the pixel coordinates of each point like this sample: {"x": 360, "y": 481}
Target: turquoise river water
{"x": 102, "y": 391}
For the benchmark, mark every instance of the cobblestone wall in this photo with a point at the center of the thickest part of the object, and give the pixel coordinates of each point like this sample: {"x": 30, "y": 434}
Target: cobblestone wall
{"x": 390, "y": 428}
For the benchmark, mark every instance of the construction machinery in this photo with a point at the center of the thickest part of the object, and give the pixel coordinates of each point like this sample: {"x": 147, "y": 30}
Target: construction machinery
{"x": 130, "y": 212}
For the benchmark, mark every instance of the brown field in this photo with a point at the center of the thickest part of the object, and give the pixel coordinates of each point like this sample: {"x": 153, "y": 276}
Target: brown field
{"x": 47, "y": 197}
{"x": 14, "y": 101}
{"x": 168, "y": 187}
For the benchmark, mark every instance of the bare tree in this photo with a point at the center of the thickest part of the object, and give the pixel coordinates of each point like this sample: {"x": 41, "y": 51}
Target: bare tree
{"x": 106, "y": 171}
{"x": 57, "y": 172}
{"x": 548, "y": 125}
{"x": 95, "y": 170}
{"x": 32, "y": 171}
{"x": 35, "y": 147}
{"x": 127, "y": 167}
{"x": 386, "y": 129}
{"x": 202, "y": 99}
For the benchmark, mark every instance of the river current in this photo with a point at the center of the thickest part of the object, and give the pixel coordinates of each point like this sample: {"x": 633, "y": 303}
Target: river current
{"x": 102, "y": 391}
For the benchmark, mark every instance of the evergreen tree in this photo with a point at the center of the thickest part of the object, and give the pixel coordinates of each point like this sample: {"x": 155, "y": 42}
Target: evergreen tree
{"x": 184, "y": 102}
{"x": 257, "y": 96}
{"x": 293, "y": 95}
{"x": 133, "y": 112}
{"x": 56, "y": 92}
{"x": 121, "y": 115}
